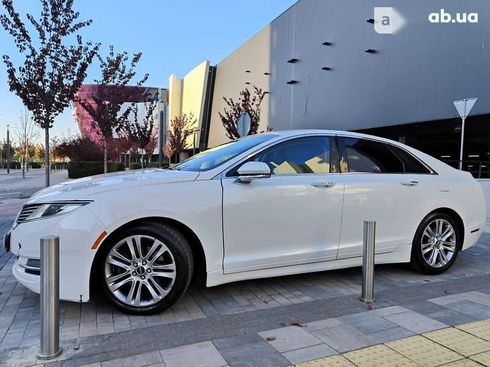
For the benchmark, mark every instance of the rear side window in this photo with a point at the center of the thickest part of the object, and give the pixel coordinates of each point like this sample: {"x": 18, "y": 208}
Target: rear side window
{"x": 410, "y": 163}
{"x": 361, "y": 155}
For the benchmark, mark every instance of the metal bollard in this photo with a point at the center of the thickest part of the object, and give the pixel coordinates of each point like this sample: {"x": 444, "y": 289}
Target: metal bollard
{"x": 50, "y": 298}
{"x": 369, "y": 248}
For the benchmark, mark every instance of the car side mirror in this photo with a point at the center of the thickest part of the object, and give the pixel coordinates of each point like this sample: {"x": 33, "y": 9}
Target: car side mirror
{"x": 253, "y": 170}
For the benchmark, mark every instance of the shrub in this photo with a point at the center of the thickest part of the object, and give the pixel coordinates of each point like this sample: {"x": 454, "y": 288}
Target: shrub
{"x": 157, "y": 165}
{"x": 35, "y": 164}
{"x": 13, "y": 165}
{"x": 135, "y": 165}
{"x": 116, "y": 167}
{"x": 58, "y": 165}
{"x": 79, "y": 149}
{"x": 84, "y": 169}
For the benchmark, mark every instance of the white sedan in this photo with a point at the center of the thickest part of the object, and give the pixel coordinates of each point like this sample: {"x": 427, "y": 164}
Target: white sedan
{"x": 267, "y": 205}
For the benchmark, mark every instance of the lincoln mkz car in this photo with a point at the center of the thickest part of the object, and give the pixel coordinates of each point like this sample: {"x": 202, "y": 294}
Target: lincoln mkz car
{"x": 266, "y": 205}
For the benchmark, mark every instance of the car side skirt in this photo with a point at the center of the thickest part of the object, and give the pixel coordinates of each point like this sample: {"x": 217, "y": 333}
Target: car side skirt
{"x": 402, "y": 255}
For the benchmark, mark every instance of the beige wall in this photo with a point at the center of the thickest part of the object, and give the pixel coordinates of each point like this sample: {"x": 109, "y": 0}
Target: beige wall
{"x": 174, "y": 96}
{"x": 187, "y": 95}
{"x": 231, "y": 78}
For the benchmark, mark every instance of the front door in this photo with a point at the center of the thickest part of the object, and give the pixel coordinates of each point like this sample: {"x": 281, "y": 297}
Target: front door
{"x": 291, "y": 218}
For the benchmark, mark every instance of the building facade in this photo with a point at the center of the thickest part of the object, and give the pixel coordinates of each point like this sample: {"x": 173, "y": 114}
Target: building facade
{"x": 324, "y": 66}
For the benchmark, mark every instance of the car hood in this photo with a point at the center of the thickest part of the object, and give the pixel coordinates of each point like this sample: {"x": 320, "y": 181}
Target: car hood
{"x": 84, "y": 188}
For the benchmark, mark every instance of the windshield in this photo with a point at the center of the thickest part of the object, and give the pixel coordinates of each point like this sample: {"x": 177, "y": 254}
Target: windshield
{"x": 216, "y": 156}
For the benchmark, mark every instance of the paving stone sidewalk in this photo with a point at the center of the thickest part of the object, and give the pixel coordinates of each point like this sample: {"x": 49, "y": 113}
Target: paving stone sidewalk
{"x": 275, "y": 336}
{"x": 387, "y": 336}
{"x": 272, "y": 322}
{"x": 466, "y": 345}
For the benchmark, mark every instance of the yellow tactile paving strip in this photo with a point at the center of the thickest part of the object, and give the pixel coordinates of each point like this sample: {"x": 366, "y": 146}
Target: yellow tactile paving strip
{"x": 333, "y": 361}
{"x": 424, "y": 351}
{"x": 378, "y": 356}
{"x": 482, "y": 358}
{"x": 466, "y": 345}
{"x": 463, "y": 363}
{"x": 460, "y": 341}
{"x": 480, "y": 329}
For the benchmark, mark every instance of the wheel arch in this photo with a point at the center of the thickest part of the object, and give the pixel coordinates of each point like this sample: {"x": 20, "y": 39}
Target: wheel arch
{"x": 194, "y": 242}
{"x": 453, "y": 214}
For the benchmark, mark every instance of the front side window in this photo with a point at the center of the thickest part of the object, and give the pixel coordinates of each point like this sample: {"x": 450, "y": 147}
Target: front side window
{"x": 216, "y": 156}
{"x": 300, "y": 156}
{"x": 369, "y": 156}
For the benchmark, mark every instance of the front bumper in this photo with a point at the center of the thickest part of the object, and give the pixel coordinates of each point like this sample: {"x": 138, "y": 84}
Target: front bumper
{"x": 28, "y": 280}
{"x": 77, "y": 231}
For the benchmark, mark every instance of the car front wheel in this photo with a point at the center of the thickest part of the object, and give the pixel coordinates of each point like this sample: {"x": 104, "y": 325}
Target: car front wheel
{"x": 146, "y": 268}
{"x": 436, "y": 244}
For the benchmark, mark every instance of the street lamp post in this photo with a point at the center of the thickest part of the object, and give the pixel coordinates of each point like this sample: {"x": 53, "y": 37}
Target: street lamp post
{"x": 8, "y": 148}
{"x": 162, "y": 121}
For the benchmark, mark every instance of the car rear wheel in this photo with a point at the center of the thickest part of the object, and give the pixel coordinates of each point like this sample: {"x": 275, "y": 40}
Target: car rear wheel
{"x": 146, "y": 268}
{"x": 436, "y": 244}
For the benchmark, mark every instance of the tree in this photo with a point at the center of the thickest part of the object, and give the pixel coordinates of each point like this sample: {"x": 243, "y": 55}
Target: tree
{"x": 168, "y": 152}
{"x": 25, "y": 134}
{"x": 247, "y": 103}
{"x": 106, "y": 106}
{"x": 4, "y": 149}
{"x": 125, "y": 144}
{"x": 152, "y": 144}
{"x": 40, "y": 152}
{"x": 141, "y": 131}
{"x": 78, "y": 149}
{"x": 55, "y": 60}
{"x": 181, "y": 127}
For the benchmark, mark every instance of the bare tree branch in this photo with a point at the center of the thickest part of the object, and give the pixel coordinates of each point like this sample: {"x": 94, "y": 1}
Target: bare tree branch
{"x": 26, "y": 134}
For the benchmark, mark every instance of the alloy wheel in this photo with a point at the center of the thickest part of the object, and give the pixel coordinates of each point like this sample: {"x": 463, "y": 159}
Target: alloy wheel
{"x": 438, "y": 243}
{"x": 140, "y": 270}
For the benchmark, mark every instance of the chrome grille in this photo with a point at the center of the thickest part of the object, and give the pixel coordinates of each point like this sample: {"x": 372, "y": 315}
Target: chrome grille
{"x": 26, "y": 211}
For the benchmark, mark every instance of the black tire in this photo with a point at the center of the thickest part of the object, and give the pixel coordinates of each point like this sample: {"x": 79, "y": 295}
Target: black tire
{"x": 421, "y": 263}
{"x": 180, "y": 254}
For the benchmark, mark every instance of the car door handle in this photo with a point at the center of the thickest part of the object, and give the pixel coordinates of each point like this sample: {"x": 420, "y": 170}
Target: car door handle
{"x": 323, "y": 184}
{"x": 410, "y": 183}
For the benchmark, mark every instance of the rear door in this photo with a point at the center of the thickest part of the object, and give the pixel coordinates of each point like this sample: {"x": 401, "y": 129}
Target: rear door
{"x": 383, "y": 183}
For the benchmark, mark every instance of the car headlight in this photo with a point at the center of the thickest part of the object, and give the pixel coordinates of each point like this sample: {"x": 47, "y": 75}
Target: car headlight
{"x": 40, "y": 211}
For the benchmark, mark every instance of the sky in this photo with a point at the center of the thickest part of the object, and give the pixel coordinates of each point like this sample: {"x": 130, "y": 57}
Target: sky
{"x": 173, "y": 35}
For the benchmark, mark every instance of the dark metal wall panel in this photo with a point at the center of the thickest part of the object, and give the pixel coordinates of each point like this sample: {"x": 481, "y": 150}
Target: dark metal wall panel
{"x": 414, "y": 76}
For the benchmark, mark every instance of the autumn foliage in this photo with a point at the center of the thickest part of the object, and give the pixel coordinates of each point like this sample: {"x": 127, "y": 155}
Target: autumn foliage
{"x": 181, "y": 127}
{"x": 53, "y": 63}
{"x": 248, "y": 102}
{"x": 107, "y": 109}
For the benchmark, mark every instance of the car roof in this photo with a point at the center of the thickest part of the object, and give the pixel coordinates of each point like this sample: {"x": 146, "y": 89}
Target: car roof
{"x": 299, "y": 132}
